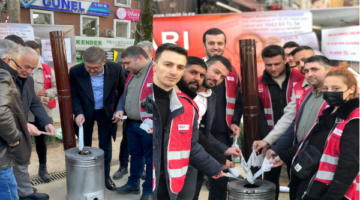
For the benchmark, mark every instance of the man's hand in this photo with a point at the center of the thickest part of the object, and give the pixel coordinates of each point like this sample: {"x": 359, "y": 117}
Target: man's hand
{"x": 228, "y": 165}
{"x": 235, "y": 129}
{"x": 50, "y": 129}
{"x": 150, "y": 131}
{"x": 45, "y": 100}
{"x": 119, "y": 113}
{"x": 33, "y": 130}
{"x": 41, "y": 93}
{"x": 277, "y": 162}
{"x": 235, "y": 151}
{"x": 218, "y": 176}
{"x": 80, "y": 119}
{"x": 270, "y": 153}
{"x": 260, "y": 144}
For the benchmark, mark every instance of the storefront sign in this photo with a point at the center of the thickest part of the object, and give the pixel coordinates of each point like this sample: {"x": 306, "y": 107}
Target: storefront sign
{"x": 266, "y": 28}
{"x": 341, "y": 43}
{"x": 46, "y": 51}
{"x": 83, "y": 43}
{"x": 76, "y": 7}
{"x": 128, "y": 14}
{"x": 25, "y": 31}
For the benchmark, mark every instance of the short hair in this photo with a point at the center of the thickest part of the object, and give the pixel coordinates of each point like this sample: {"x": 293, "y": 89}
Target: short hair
{"x": 134, "y": 52}
{"x": 272, "y": 51}
{"x": 212, "y": 60}
{"x": 213, "y": 31}
{"x": 290, "y": 44}
{"x": 147, "y": 44}
{"x": 170, "y": 47}
{"x": 32, "y": 44}
{"x": 322, "y": 60}
{"x": 348, "y": 78}
{"x": 300, "y": 48}
{"x": 16, "y": 39}
{"x": 9, "y": 49}
{"x": 192, "y": 60}
{"x": 94, "y": 54}
{"x": 28, "y": 50}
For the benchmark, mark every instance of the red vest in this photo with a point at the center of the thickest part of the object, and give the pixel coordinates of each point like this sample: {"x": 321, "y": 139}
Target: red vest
{"x": 264, "y": 94}
{"x": 299, "y": 91}
{"x": 145, "y": 91}
{"x": 299, "y": 104}
{"x": 231, "y": 87}
{"x": 330, "y": 158}
{"x": 47, "y": 83}
{"x": 179, "y": 146}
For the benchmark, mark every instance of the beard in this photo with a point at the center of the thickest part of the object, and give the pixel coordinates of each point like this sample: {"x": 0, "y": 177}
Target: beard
{"x": 195, "y": 89}
{"x": 206, "y": 85}
{"x": 208, "y": 53}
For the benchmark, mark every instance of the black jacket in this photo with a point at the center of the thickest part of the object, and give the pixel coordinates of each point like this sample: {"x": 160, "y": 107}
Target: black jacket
{"x": 199, "y": 159}
{"x": 348, "y": 165}
{"x": 82, "y": 94}
{"x": 31, "y": 102}
{"x": 12, "y": 121}
{"x": 278, "y": 100}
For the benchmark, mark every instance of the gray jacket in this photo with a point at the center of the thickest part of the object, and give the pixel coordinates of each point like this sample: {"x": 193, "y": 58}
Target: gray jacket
{"x": 206, "y": 128}
{"x": 12, "y": 122}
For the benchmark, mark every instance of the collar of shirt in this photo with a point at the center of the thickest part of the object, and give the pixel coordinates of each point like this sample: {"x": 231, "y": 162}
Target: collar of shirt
{"x": 205, "y": 94}
{"x": 305, "y": 83}
{"x": 317, "y": 94}
{"x": 143, "y": 70}
{"x": 101, "y": 74}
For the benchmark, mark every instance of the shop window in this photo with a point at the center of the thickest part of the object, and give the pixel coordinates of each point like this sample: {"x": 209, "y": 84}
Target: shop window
{"x": 89, "y": 25}
{"x": 123, "y": 3}
{"x": 41, "y": 17}
{"x": 122, "y": 28}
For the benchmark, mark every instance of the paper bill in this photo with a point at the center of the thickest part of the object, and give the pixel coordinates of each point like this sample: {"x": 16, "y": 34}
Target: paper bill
{"x": 124, "y": 117}
{"x": 81, "y": 137}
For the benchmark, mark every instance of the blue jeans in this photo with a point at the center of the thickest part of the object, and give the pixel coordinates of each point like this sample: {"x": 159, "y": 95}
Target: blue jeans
{"x": 140, "y": 149}
{"x": 8, "y": 186}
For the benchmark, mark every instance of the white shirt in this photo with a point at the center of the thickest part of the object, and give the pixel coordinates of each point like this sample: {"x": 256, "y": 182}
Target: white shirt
{"x": 201, "y": 101}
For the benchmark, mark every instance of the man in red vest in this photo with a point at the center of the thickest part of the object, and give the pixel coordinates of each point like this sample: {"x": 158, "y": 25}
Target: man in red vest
{"x": 288, "y": 48}
{"x": 137, "y": 89}
{"x": 175, "y": 127}
{"x": 228, "y": 106}
{"x": 275, "y": 89}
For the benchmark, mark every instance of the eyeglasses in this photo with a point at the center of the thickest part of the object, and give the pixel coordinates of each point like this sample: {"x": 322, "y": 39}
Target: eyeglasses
{"x": 16, "y": 63}
{"x": 95, "y": 68}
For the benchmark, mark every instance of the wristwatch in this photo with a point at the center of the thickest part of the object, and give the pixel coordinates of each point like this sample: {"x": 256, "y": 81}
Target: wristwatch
{"x": 13, "y": 144}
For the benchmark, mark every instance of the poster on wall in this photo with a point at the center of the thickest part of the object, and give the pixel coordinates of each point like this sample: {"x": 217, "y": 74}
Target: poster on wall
{"x": 175, "y": 8}
{"x": 341, "y": 43}
{"x": 265, "y": 28}
{"x": 47, "y": 53}
{"x": 307, "y": 39}
{"x": 25, "y": 31}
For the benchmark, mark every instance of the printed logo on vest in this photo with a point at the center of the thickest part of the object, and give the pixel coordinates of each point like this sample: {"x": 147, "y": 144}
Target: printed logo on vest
{"x": 183, "y": 127}
{"x": 260, "y": 90}
{"x": 294, "y": 83}
{"x": 149, "y": 85}
{"x": 298, "y": 167}
{"x": 338, "y": 132}
{"x": 47, "y": 76}
{"x": 230, "y": 78}
{"x": 298, "y": 96}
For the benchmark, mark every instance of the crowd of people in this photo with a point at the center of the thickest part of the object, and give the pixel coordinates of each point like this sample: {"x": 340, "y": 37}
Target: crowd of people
{"x": 309, "y": 118}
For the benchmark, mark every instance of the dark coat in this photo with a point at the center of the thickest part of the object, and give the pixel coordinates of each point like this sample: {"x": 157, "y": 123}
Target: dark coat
{"x": 12, "y": 121}
{"x": 82, "y": 96}
{"x": 31, "y": 102}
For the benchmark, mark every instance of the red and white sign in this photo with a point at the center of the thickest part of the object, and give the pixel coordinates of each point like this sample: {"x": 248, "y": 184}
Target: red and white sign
{"x": 46, "y": 51}
{"x": 341, "y": 43}
{"x": 128, "y": 14}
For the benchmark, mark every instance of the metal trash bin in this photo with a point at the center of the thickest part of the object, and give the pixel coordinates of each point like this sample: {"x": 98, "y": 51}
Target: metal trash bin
{"x": 260, "y": 190}
{"x": 85, "y": 176}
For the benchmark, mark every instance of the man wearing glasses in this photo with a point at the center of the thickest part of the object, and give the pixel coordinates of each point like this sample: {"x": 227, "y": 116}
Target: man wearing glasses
{"x": 96, "y": 86}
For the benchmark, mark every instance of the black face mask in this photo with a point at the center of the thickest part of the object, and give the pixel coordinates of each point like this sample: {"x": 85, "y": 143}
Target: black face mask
{"x": 334, "y": 98}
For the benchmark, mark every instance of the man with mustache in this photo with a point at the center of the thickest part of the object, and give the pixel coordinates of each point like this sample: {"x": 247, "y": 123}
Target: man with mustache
{"x": 228, "y": 106}
{"x": 275, "y": 90}
{"x": 190, "y": 83}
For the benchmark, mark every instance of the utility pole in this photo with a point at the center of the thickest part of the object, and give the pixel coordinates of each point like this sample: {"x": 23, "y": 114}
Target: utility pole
{"x": 13, "y": 10}
{"x": 144, "y": 26}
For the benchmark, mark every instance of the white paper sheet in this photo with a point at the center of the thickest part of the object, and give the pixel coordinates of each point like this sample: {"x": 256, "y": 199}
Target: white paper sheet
{"x": 81, "y": 137}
